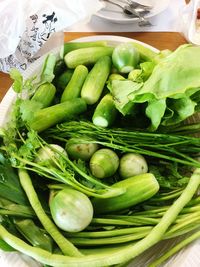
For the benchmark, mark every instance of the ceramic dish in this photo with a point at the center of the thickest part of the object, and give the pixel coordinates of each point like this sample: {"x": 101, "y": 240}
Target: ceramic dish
{"x": 114, "y": 13}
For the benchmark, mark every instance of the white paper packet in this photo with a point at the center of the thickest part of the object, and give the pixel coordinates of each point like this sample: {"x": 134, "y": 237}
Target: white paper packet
{"x": 190, "y": 22}
{"x": 26, "y": 26}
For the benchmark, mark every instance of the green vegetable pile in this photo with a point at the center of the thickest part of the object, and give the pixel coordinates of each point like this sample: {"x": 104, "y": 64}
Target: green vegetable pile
{"x": 98, "y": 162}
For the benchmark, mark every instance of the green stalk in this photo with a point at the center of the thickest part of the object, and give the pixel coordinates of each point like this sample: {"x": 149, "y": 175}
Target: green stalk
{"x": 111, "y": 221}
{"x": 66, "y": 246}
{"x": 69, "y": 179}
{"x": 181, "y": 224}
{"x": 151, "y": 144}
{"x": 108, "y": 240}
{"x": 110, "y": 233}
{"x": 175, "y": 249}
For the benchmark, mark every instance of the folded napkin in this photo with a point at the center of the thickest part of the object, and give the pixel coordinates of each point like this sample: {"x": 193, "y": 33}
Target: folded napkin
{"x": 167, "y": 20}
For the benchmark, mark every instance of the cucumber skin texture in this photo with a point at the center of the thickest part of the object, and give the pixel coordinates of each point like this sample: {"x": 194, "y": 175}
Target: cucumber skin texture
{"x": 70, "y": 46}
{"x": 47, "y": 117}
{"x": 45, "y": 94}
{"x": 86, "y": 56}
{"x": 95, "y": 81}
{"x": 73, "y": 88}
{"x": 138, "y": 189}
{"x": 105, "y": 109}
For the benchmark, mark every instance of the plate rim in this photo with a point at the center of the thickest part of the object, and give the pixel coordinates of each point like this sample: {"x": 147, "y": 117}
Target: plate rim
{"x": 129, "y": 20}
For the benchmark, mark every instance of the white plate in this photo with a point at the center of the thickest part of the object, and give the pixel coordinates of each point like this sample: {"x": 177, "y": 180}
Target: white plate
{"x": 114, "y": 14}
{"x": 188, "y": 257}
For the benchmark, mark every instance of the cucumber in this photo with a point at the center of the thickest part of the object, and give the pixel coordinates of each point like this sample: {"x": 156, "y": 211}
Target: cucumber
{"x": 86, "y": 56}
{"x": 45, "y": 94}
{"x": 95, "y": 81}
{"x": 105, "y": 112}
{"x": 67, "y": 47}
{"x": 62, "y": 80}
{"x": 47, "y": 117}
{"x": 73, "y": 88}
{"x": 138, "y": 189}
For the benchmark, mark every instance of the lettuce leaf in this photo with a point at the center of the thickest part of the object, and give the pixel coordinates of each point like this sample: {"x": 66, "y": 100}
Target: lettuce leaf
{"x": 175, "y": 76}
{"x": 182, "y": 108}
{"x": 155, "y": 111}
{"x": 121, "y": 89}
{"x": 168, "y": 92}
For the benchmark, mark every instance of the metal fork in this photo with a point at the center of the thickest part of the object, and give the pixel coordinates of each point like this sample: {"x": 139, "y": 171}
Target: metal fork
{"x": 142, "y": 21}
{"x": 131, "y": 12}
{"x": 134, "y": 4}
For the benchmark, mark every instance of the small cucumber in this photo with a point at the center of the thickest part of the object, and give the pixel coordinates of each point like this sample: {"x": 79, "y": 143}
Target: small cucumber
{"x": 95, "y": 81}
{"x": 105, "y": 112}
{"x": 86, "y": 56}
{"x": 73, "y": 88}
{"x": 47, "y": 117}
{"x": 138, "y": 189}
{"x": 45, "y": 94}
{"x": 67, "y": 47}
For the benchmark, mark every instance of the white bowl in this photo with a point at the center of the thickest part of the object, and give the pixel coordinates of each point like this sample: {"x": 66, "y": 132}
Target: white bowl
{"x": 187, "y": 257}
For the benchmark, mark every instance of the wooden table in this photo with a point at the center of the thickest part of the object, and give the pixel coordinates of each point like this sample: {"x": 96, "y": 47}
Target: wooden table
{"x": 160, "y": 40}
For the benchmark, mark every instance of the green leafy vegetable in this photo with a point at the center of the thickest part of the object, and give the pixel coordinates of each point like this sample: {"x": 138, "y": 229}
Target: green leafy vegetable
{"x": 121, "y": 90}
{"x": 173, "y": 82}
{"x": 18, "y": 80}
{"x": 47, "y": 74}
{"x": 28, "y": 109}
{"x": 9, "y": 183}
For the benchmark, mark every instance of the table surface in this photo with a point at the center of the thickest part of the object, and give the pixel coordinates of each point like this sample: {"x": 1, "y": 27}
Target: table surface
{"x": 160, "y": 40}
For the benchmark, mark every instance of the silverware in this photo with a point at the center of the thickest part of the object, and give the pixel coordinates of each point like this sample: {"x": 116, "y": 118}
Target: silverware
{"x": 136, "y": 5}
{"x": 143, "y": 22}
{"x": 133, "y": 13}
{"x": 127, "y": 10}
